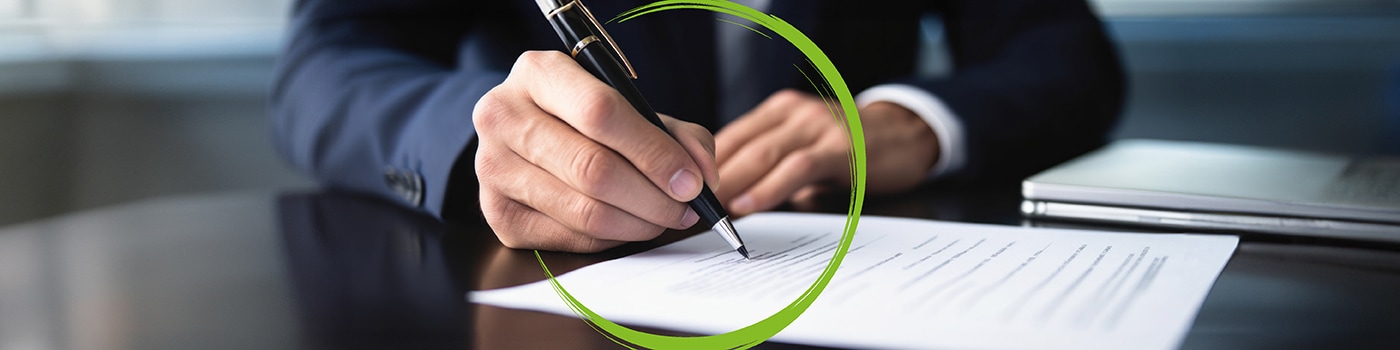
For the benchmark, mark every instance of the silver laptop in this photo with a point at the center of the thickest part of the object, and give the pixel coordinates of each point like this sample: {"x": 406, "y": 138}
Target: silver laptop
{"x": 1191, "y": 185}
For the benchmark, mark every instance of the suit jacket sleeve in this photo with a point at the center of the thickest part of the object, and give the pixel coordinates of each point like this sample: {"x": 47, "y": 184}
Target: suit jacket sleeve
{"x": 1035, "y": 82}
{"x": 370, "y": 87}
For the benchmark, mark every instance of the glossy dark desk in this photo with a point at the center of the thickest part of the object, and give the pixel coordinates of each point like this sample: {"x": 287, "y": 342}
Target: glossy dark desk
{"x": 329, "y": 270}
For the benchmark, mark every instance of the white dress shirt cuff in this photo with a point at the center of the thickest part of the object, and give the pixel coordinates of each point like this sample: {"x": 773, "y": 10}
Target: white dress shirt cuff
{"x": 952, "y": 151}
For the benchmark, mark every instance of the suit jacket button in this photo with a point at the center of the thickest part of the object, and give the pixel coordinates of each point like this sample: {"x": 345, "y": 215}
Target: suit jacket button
{"x": 406, "y": 184}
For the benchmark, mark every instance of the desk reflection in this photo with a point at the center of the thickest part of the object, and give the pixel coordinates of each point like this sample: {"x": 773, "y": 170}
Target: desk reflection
{"x": 368, "y": 274}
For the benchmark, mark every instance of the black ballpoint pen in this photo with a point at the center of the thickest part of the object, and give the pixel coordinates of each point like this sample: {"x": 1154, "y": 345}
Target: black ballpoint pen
{"x": 598, "y": 53}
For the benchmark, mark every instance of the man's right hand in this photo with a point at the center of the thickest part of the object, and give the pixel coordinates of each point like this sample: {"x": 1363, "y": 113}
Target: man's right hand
{"x": 565, "y": 163}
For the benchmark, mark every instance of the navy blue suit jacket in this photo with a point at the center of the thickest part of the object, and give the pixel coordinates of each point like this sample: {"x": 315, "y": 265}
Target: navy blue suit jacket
{"x": 376, "y": 89}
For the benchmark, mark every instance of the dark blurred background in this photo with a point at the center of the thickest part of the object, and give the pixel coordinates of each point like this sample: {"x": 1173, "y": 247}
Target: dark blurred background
{"x": 107, "y": 101}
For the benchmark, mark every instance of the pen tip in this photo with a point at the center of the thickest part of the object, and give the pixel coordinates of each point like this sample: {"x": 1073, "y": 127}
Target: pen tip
{"x": 744, "y": 251}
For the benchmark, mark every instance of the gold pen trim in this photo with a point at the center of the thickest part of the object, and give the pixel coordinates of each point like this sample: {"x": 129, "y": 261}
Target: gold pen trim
{"x": 578, "y": 46}
{"x": 566, "y": 7}
{"x": 609, "y": 39}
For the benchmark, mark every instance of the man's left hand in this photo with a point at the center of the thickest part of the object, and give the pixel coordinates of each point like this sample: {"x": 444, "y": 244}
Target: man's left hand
{"x": 790, "y": 147}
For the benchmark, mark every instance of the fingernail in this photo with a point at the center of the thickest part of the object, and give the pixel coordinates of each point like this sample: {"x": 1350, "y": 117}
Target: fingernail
{"x": 690, "y": 218}
{"x": 685, "y": 184}
{"x": 743, "y": 205}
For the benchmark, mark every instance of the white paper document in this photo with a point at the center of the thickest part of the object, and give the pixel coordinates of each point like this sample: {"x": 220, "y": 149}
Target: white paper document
{"x": 908, "y": 283}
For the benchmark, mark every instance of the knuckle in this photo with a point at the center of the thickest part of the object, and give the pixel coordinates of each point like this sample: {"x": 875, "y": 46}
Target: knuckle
{"x": 531, "y": 60}
{"x": 802, "y": 162}
{"x": 595, "y": 106}
{"x": 532, "y": 63}
{"x": 523, "y": 65}
{"x": 592, "y": 167}
{"x": 491, "y": 210}
{"x": 487, "y": 167}
{"x": 551, "y": 57}
{"x": 585, "y": 244}
{"x": 489, "y": 110}
{"x": 770, "y": 155}
{"x": 531, "y": 130}
{"x": 527, "y": 57}
{"x": 589, "y": 216}
{"x": 493, "y": 166}
{"x": 658, "y": 161}
{"x": 503, "y": 218}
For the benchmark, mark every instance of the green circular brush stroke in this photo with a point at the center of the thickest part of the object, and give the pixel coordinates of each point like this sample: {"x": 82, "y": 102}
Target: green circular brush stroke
{"x": 758, "y": 332}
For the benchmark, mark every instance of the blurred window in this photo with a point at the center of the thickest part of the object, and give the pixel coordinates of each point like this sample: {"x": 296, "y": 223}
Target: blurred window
{"x": 15, "y": 9}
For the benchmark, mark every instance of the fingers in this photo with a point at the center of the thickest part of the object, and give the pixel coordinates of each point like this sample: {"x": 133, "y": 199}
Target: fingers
{"x": 510, "y": 216}
{"x": 565, "y": 163}
{"x": 563, "y": 89}
{"x": 798, "y": 170}
{"x": 764, "y": 118}
{"x": 758, "y": 157}
{"x": 582, "y": 165}
{"x": 800, "y": 126}
{"x": 538, "y": 192}
{"x": 788, "y": 143}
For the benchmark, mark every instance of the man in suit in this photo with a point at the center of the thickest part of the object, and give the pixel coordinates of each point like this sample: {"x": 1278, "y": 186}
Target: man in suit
{"x": 463, "y": 108}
